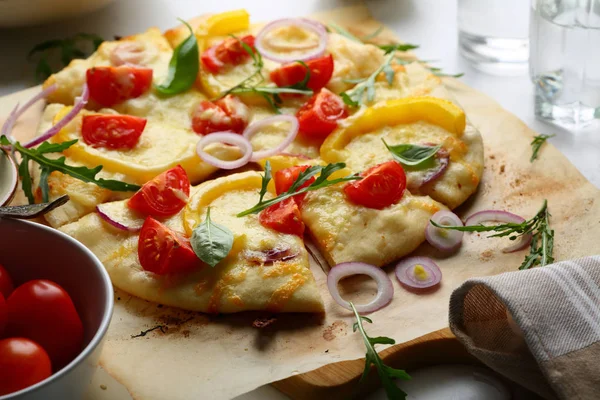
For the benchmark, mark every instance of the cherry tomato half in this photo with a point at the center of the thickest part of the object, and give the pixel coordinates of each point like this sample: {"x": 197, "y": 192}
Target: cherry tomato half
{"x": 23, "y": 363}
{"x": 3, "y": 314}
{"x": 381, "y": 186}
{"x": 321, "y": 70}
{"x": 318, "y": 117}
{"x": 43, "y": 311}
{"x": 164, "y": 251}
{"x": 286, "y": 177}
{"x": 112, "y": 85}
{"x": 227, "y": 53}
{"x": 6, "y": 283}
{"x": 163, "y": 196}
{"x": 120, "y": 132}
{"x": 283, "y": 217}
{"x": 226, "y": 114}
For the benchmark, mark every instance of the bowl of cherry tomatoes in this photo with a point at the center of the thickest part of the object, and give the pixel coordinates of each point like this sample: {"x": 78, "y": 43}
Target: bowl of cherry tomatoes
{"x": 56, "y": 302}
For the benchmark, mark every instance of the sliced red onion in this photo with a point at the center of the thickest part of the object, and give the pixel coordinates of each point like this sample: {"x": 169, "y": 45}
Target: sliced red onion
{"x": 385, "y": 289}
{"x": 444, "y": 239}
{"x": 418, "y": 272}
{"x": 317, "y": 28}
{"x": 270, "y": 256}
{"x": 252, "y": 129}
{"x": 8, "y": 125}
{"x": 225, "y": 138}
{"x": 505, "y": 217}
{"x": 80, "y": 102}
{"x": 108, "y": 215}
{"x": 442, "y": 160}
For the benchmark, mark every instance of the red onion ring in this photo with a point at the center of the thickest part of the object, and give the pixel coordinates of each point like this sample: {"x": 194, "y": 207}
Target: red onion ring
{"x": 317, "y": 28}
{"x": 385, "y": 289}
{"x": 8, "y": 125}
{"x": 444, "y": 239}
{"x": 226, "y": 138}
{"x": 505, "y": 217}
{"x": 105, "y": 214}
{"x": 405, "y": 272}
{"x": 80, "y": 102}
{"x": 252, "y": 129}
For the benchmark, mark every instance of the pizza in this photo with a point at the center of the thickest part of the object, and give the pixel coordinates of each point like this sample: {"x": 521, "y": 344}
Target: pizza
{"x": 200, "y": 162}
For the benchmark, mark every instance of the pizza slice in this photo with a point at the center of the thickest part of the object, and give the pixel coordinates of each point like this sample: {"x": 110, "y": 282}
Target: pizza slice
{"x": 263, "y": 270}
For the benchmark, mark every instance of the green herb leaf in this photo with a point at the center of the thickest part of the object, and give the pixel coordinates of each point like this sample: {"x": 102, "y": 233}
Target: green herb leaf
{"x": 536, "y": 145}
{"x": 44, "y": 185}
{"x": 342, "y": 31}
{"x": 374, "y": 34}
{"x": 320, "y": 182}
{"x": 391, "y": 48}
{"x": 48, "y": 165}
{"x": 354, "y": 97}
{"x": 183, "y": 67}
{"x": 385, "y": 372}
{"x": 411, "y": 154}
{"x": 542, "y": 243}
{"x": 211, "y": 242}
{"x": 265, "y": 181}
{"x": 66, "y": 49}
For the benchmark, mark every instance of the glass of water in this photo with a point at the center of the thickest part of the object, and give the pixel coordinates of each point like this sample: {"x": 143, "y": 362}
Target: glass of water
{"x": 565, "y": 60}
{"x": 494, "y": 35}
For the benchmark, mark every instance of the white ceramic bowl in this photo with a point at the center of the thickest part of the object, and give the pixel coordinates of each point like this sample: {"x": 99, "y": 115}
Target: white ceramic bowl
{"x": 15, "y": 13}
{"x": 33, "y": 251}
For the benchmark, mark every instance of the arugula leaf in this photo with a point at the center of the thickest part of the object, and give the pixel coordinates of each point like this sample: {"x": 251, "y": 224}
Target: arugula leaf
{"x": 536, "y": 145}
{"x": 344, "y": 32}
{"x": 48, "y": 165}
{"x": 183, "y": 67}
{"x": 385, "y": 372}
{"x": 265, "y": 181}
{"x": 412, "y": 155}
{"x": 390, "y": 48}
{"x": 354, "y": 96}
{"x": 319, "y": 183}
{"x": 211, "y": 242}
{"x": 44, "y": 185}
{"x": 374, "y": 34}
{"x": 68, "y": 49}
{"x": 542, "y": 242}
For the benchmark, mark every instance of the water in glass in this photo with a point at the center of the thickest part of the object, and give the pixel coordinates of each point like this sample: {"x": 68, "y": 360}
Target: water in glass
{"x": 565, "y": 60}
{"x": 493, "y": 35}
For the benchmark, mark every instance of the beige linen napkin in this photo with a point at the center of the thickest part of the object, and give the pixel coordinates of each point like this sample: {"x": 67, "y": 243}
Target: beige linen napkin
{"x": 540, "y": 328}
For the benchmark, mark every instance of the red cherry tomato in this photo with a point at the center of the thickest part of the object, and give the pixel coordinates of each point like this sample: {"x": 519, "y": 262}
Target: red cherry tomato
{"x": 112, "y": 85}
{"x": 286, "y": 177}
{"x": 164, "y": 251}
{"x": 6, "y": 283}
{"x": 318, "y": 117}
{"x": 120, "y": 132}
{"x": 3, "y": 314}
{"x": 381, "y": 186}
{"x": 321, "y": 70}
{"x": 163, "y": 196}
{"x": 283, "y": 217}
{"x": 227, "y": 53}
{"x": 226, "y": 114}
{"x": 23, "y": 363}
{"x": 43, "y": 311}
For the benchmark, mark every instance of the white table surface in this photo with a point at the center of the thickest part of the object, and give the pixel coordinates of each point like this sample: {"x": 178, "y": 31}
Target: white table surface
{"x": 429, "y": 23}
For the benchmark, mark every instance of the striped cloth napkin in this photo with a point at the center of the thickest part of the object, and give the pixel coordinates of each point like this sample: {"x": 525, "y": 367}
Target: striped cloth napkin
{"x": 540, "y": 328}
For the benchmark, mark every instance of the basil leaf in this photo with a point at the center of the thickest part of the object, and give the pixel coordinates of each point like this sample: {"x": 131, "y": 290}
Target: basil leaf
{"x": 411, "y": 154}
{"x": 183, "y": 67}
{"x": 211, "y": 242}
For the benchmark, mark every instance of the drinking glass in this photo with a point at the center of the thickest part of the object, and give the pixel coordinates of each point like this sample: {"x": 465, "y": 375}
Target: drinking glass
{"x": 565, "y": 61}
{"x": 493, "y": 35}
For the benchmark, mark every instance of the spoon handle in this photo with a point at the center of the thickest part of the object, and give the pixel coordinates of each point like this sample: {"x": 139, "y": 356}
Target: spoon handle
{"x": 30, "y": 211}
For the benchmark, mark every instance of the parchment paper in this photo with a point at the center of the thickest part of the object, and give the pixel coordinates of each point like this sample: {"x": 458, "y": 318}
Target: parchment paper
{"x": 199, "y": 356}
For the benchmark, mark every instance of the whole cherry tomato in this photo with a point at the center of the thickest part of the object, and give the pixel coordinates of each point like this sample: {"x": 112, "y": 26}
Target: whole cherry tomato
{"x": 3, "y": 314}
{"x": 43, "y": 311}
{"x": 6, "y": 283}
{"x": 22, "y": 364}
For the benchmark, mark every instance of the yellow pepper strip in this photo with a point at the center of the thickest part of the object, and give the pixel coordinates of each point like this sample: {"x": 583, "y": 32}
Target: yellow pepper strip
{"x": 394, "y": 112}
{"x": 225, "y": 23}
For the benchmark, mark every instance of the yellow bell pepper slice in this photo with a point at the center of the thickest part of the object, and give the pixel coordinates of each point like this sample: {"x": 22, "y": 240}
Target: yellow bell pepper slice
{"x": 225, "y": 23}
{"x": 436, "y": 111}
